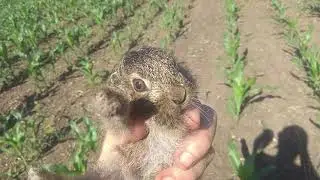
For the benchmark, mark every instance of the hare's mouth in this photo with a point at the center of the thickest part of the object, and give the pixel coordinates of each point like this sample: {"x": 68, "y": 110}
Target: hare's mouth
{"x": 140, "y": 111}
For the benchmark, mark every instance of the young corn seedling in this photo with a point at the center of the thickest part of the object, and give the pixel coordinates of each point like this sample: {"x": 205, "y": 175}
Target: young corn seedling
{"x": 245, "y": 169}
{"x": 12, "y": 143}
{"x": 280, "y": 16}
{"x": 16, "y": 142}
{"x": 98, "y": 15}
{"x": 312, "y": 68}
{"x": 231, "y": 45}
{"x": 6, "y": 70}
{"x": 313, "y": 6}
{"x": 128, "y": 7}
{"x": 86, "y": 67}
{"x": 9, "y": 120}
{"x": 85, "y": 142}
{"x": 4, "y": 58}
{"x": 232, "y": 34}
{"x": 72, "y": 36}
{"x": 116, "y": 42}
{"x": 242, "y": 87}
{"x": 158, "y": 4}
{"x": 307, "y": 55}
{"x": 172, "y": 22}
{"x": 35, "y": 64}
{"x": 24, "y": 140}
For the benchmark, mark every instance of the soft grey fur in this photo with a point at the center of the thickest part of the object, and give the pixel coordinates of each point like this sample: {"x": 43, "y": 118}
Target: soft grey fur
{"x": 170, "y": 90}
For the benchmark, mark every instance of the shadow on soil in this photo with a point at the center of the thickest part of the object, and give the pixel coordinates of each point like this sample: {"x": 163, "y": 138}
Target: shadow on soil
{"x": 18, "y": 79}
{"x": 26, "y": 108}
{"x": 55, "y": 138}
{"x": 292, "y": 145}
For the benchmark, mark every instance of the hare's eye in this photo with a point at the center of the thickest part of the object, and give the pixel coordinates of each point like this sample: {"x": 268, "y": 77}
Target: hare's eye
{"x": 139, "y": 85}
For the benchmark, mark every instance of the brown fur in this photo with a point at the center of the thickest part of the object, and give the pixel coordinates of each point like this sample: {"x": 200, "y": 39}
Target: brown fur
{"x": 170, "y": 90}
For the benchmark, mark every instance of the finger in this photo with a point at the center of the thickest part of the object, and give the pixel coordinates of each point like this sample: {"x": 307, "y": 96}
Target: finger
{"x": 176, "y": 174}
{"x": 191, "y": 174}
{"x": 192, "y": 118}
{"x": 196, "y": 145}
{"x": 202, "y": 116}
{"x": 193, "y": 148}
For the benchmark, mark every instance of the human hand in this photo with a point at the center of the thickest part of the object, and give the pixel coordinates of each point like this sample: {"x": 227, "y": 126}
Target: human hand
{"x": 195, "y": 153}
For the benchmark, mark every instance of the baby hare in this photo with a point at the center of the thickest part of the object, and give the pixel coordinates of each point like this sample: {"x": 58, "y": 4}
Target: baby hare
{"x": 150, "y": 87}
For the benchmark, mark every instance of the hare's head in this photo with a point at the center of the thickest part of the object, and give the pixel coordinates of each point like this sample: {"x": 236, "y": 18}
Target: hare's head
{"x": 153, "y": 84}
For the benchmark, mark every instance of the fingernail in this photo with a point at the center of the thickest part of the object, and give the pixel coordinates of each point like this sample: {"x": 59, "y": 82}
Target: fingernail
{"x": 186, "y": 159}
{"x": 168, "y": 178}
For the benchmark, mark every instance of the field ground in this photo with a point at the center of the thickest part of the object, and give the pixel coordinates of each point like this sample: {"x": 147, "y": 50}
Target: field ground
{"x": 285, "y": 107}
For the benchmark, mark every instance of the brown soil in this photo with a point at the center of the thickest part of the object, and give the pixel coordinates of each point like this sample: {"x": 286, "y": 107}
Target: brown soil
{"x": 287, "y": 102}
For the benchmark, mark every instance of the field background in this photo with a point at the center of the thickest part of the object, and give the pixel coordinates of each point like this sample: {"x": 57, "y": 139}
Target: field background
{"x": 54, "y": 53}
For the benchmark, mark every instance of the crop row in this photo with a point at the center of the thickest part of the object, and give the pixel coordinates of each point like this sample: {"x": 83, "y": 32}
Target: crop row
{"x": 305, "y": 54}
{"x": 21, "y": 137}
{"x": 27, "y": 26}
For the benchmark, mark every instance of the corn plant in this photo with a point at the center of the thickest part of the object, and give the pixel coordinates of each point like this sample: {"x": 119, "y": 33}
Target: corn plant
{"x": 4, "y": 58}
{"x": 242, "y": 87}
{"x": 246, "y": 169}
{"x": 116, "y": 42}
{"x": 158, "y": 4}
{"x": 85, "y": 142}
{"x": 6, "y": 69}
{"x": 313, "y": 6}
{"x": 98, "y": 15}
{"x": 232, "y": 34}
{"x": 172, "y": 22}
{"x": 9, "y": 120}
{"x": 12, "y": 143}
{"x": 232, "y": 16}
{"x": 27, "y": 24}
{"x": 73, "y": 35}
{"x": 306, "y": 54}
{"x": 19, "y": 140}
{"x": 280, "y": 11}
{"x": 86, "y": 67}
{"x": 130, "y": 34}
{"x": 128, "y": 7}
{"x": 35, "y": 64}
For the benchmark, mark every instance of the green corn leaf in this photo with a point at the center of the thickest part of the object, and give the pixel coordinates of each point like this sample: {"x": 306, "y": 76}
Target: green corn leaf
{"x": 4, "y": 51}
{"x": 56, "y": 168}
{"x": 75, "y": 129}
{"x": 247, "y": 170}
{"x": 231, "y": 106}
{"x": 234, "y": 156}
{"x": 254, "y": 92}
